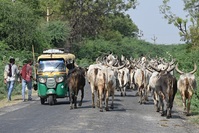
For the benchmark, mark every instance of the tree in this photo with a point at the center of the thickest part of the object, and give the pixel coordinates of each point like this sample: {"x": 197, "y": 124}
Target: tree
{"x": 17, "y": 25}
{"x": 189, "y": 34}
{"x": 57, "y": 32}
{"x": 87, "y": 18}
{"x": 121, "y": 23}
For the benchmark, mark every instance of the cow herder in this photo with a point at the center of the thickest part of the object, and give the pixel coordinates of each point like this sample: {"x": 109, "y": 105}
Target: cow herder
{"x": 10, "y": 74}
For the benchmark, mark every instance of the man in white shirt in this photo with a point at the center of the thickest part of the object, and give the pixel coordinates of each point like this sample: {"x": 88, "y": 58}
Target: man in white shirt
{"x": 10, "y": 74}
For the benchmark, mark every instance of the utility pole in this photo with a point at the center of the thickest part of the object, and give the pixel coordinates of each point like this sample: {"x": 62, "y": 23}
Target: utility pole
{"x": 154, "y": 39}
{"x": 48, "y": 13}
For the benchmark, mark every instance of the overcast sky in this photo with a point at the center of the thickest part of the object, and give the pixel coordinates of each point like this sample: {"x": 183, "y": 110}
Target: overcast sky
{"x": 149, "y": 20}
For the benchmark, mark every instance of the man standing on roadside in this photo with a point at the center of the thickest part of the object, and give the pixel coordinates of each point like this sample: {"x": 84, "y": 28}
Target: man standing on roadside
{"x": 11, "y": 72}
{"x": 26, "y": 74}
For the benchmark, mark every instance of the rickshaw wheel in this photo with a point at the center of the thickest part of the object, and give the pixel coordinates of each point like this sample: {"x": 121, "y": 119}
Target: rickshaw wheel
{"x": 42, "y": 100}
{"x": 51, "y": 100}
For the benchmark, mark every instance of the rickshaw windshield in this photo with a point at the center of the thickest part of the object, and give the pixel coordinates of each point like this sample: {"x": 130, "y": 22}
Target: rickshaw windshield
{"x": 52, "y": 65}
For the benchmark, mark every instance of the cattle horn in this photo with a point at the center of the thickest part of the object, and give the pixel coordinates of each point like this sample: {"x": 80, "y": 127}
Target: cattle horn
{"x": 194, "y": 70}
{"x": 177, "y": 69}
{"x": 150, "y": 70}
{"x": 155, "y": 68}
{"x": 97, "y": 60}
{"x": 113, "y": 67}
{"x": 172, "y": 62}
{"x": 171, "y": 68}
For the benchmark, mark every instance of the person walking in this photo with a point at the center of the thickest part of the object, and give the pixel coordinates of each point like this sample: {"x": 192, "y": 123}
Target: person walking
{"x": 11, "y": 72}
{"x": 26, "y": 74}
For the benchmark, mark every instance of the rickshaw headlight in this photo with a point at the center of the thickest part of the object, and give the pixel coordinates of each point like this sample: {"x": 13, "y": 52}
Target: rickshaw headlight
{"x": 42, "y": 80}
{"x": 59, "y": 79}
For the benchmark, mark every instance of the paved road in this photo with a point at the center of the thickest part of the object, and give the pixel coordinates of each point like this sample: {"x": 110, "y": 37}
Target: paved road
{"x": 127, "y": 117}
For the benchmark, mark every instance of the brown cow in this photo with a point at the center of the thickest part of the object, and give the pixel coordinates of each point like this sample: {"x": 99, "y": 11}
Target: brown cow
{"x": 76, "y": 82}
{"x": 186, "y": 85}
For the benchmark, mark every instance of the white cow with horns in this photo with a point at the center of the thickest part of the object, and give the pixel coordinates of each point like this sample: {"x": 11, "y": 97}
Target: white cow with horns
{"x": 186, "y": 85}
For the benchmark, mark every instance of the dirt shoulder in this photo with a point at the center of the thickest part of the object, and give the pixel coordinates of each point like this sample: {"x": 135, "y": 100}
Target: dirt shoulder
{"x": 15, "y": 100}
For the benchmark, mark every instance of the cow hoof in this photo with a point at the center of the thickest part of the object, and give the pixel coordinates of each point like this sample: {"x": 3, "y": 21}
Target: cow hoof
{"x": 157, "y": 109}
{"x": 107, "y": 109}
{"x": 188, "y": 114}
{"x": 162, "y": 114}
{"x": 168, "y": 117}
{"x": 80, "y": 104}
{"x": 75, "y": 107}
{"x": 71, "y": 108}
{"x": 101, "y": 110}
{"x": 121, "y": 94}
{"x": 93, "y": 106}
{"x": 112, "y": 107}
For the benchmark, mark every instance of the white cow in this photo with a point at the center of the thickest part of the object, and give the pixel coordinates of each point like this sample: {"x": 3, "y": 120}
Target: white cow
{"x": 186, "y": 85}
{"x": 123, "y": 77}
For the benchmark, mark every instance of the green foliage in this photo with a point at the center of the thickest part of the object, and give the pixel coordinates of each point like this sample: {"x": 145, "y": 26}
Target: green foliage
{"x": 129, "y": 47}
{"x": 55, "y": 33}
{"x": 84, "y": 62}
{"x": 17, "y": 25}
{"x": 34, "y": 5}
{"x": 123, "y": 24}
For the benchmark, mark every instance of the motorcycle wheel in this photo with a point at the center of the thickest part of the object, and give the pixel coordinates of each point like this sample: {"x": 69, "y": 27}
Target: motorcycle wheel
{"x": 51, "y": 100}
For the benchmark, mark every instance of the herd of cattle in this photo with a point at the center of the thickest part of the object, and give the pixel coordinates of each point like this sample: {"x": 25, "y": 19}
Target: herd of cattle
{"x": 154, "y": 76}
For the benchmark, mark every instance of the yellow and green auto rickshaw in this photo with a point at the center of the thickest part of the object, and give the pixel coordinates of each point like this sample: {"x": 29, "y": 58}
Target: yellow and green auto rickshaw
{"x": 52, "y": 70}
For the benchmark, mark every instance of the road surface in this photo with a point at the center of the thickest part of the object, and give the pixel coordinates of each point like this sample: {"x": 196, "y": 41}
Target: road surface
{"x": 128, "y": 116}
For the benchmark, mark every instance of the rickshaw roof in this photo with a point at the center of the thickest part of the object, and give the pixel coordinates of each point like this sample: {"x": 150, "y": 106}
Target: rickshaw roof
{"x": 65, "y": 56}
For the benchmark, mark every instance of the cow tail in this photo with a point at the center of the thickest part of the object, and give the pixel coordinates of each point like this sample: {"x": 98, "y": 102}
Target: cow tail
{"x": 174, "y": 88}
{"x": 187, "y": 83}
{"x": 122, "y": 77}
{"x": 95, "y": 73}
{"x": 143, "y": 80}
{"x": 104, "y": 78}
{"x": 133, "y": 80}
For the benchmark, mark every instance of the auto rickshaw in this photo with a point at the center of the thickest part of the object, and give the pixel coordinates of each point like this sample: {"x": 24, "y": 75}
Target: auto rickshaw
{"x": 52, "y": 70}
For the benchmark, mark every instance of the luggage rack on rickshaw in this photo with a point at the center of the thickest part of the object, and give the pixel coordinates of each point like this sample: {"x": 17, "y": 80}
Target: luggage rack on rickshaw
{"x": 54, "y": 51}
